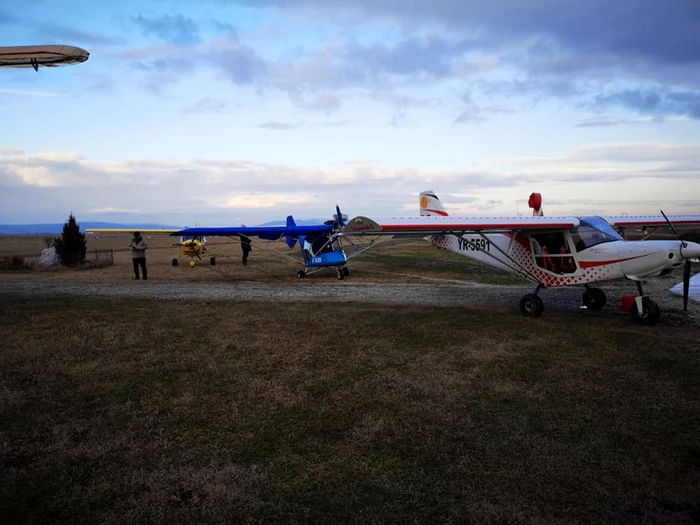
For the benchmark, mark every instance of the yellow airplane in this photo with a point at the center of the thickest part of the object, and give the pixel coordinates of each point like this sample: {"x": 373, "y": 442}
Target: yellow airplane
{"x": 190, "y": 245}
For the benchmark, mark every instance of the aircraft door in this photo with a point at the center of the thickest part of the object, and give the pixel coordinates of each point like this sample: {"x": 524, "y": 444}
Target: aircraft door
{"x": 552, "y": 252}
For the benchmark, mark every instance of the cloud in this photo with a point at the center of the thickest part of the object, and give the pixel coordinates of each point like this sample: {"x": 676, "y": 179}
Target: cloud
{"x": 11, "y": 151}
{"x": 168, "y": 63}
{"x": 173, "y": 28}
{"x": 608, "y": 122}
{"x": 541, "y": 48}
{"x": 622, "y": 28}
{"x": 284, "y": 126}
{"x": 472, "y": 112}
{"x": 206, "y": 105}
{"x": 72, "y": 35}
{"x": 241, "y": 190}
{"x": 325, "y": 102}
{"x": 111, "y": 209}
{"x": 28, "y": 93}
{"x": 653, "y": 102}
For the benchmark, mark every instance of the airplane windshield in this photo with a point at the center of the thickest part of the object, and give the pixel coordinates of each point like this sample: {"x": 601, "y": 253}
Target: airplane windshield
{"x": 593, "y": 231}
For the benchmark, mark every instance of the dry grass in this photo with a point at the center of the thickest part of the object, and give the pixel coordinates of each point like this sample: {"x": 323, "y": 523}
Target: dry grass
{"x": 408, "y": 261}
{"x": 115, "y": 411}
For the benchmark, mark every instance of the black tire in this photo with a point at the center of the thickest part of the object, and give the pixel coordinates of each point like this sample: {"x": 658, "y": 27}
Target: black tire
{"x": 212, "y": 261}
{"x": 650, "y": 315}
{"x": 346, "y": 272}
{"x": 341, "y": 275}
{"x": 301, "y": 274}
{"x": 594, "y": 298}
{"x": 531, "y": 305}
{"x": 174, "y": 262}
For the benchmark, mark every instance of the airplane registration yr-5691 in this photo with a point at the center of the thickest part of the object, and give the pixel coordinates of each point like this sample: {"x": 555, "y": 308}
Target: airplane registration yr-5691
{"x": 552, "y": 251}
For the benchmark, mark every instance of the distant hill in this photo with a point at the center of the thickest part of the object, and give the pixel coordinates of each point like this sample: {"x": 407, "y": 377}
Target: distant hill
{"x": 54, "y": 229}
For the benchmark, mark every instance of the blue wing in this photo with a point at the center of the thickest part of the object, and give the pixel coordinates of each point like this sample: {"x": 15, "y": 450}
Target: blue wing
{"x": 270, "y": 233}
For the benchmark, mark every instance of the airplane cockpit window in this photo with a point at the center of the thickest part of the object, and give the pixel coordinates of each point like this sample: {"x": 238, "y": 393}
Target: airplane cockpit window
{"x": 593, "y": 231}
{"x": 552, "y": 252}
{"x": 321, "y": 244}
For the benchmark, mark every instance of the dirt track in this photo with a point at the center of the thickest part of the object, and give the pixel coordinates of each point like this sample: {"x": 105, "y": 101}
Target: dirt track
{"x": 439, "y": 295}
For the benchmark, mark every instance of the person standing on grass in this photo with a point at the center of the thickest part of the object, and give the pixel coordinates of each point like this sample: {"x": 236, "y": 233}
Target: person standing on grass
{"x": 138, "y": 255}
{"x": 246, "y": 248}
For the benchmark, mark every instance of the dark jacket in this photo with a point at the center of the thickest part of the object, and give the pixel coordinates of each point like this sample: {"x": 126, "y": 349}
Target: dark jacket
{"x": 138, "y": 247}
{"x": 245, "y": 244}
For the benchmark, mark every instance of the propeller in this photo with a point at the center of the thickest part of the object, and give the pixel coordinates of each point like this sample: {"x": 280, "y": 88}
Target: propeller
{"x": 339, "y": 217}
{"x": 686, "y": 265}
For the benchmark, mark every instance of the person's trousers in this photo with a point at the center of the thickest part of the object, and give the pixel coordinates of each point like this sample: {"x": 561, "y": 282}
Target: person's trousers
{"x": 140, "y": 261}
{"x": 245, "y": 256}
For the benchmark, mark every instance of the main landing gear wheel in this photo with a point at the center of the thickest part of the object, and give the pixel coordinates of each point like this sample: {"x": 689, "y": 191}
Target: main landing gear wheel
{"x": 531, "y": 305}
{"x": 174, "y": 262}
{"x": 650, "y": 314}
{"x": 346, "y": 272}
{"x": 341, "y": 274}
{"x": 594, "y": 298}
{"x": 301, "y": 274}
{"x": 212, "y": 261}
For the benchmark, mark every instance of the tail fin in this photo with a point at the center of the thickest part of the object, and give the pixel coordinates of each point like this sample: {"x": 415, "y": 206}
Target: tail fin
{"x": 291, "y": 241}
{"x": 430, "y": 204}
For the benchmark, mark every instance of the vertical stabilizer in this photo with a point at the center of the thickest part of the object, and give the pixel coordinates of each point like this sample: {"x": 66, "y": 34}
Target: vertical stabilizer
{"x": 290, "y": 240}
{"x": 430, "y": 204}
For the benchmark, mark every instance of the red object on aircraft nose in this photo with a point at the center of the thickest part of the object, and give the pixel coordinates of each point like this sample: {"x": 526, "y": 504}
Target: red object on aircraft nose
{"x": 535, "y": 201}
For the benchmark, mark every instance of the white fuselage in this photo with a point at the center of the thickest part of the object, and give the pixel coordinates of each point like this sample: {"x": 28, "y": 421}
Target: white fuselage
{"x": 610, "y": 260}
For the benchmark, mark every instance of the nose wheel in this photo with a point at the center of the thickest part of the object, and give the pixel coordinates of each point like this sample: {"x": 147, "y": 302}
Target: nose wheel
{"x": 644, "y": 310}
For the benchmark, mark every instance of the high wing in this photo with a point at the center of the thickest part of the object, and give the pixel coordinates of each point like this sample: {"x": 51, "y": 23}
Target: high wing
{"x": 46, "y": 55}
{"x": 632, "y": 221}
{"x": 444, "y": 225}
{"x": 269, "y": 233}
{"x": 131, "y": 230}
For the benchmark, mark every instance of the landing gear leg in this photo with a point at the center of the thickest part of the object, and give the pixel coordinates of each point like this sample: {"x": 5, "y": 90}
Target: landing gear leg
{"x": 531, "y": 305}
{"x": 594, "y": 298}
{"x": 644, "y": 310}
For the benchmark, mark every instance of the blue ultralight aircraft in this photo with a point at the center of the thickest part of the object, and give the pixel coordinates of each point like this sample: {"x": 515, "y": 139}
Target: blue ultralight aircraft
{"x": 320, "y": 243}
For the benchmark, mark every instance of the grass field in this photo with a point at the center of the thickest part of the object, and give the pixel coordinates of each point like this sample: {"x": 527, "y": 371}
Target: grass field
{"x": 387, "y": 261}
{"x": 137, "y": 411}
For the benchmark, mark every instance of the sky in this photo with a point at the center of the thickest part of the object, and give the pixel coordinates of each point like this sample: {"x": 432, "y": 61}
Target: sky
{"x": 228, "y": 112}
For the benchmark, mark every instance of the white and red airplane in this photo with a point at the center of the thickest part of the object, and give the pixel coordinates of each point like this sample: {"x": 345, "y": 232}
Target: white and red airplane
{"x": 552, "y": 251}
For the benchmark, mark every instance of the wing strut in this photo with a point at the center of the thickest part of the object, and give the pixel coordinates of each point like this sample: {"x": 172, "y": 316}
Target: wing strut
{"x": 521, "y": 270}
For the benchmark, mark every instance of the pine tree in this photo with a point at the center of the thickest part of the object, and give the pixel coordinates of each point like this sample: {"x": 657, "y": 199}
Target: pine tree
{"x": 71, "y": 247}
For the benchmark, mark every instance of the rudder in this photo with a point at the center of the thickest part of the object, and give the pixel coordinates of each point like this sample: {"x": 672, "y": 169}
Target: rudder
{"x": 430, "y": 204}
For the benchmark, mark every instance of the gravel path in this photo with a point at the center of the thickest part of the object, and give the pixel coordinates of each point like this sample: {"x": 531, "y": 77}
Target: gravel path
{"x": 467, "y": 294}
